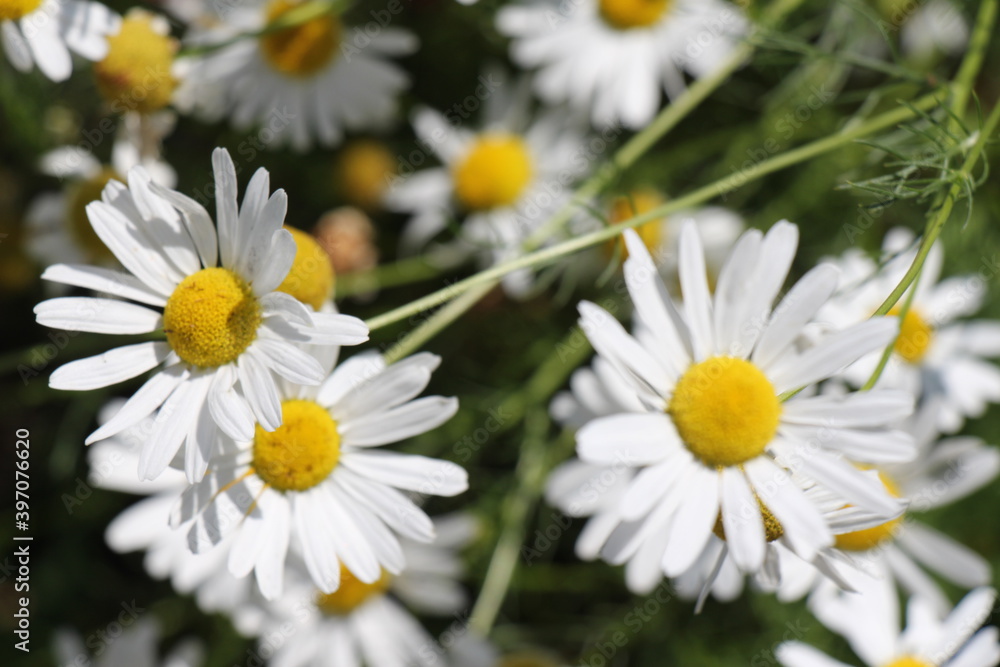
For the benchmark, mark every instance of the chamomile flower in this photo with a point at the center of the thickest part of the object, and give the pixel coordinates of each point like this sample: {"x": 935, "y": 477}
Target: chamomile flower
{"x": 717, "y": 445}
{"x": 365, "y": 623}
{"x": 615, "y": 57}
{"x": 58, "y": 230}
{"x": 44, "y": 32}
{"x": 925, "y": 29}
{"x": 869, "y": 620}
{"x": 222, "y": 353}
{"x": 316, "y": 482}
{"x": 898, "y": 550}
{"x": 935, "y": 355}
{"x": 303, "y": 84}
{"x": 137, "y": 74}
{"x": 502, "y": 180}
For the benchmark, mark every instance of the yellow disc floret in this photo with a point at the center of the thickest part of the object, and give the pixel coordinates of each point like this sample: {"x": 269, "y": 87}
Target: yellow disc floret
{"x": 909, "y": 661}
{"x": 627, "y": 14}
{"x": 311, "y": 279}
{"x": 211, "y": 317}
{"x": 915, "y": 336}
{"x": 638, "y": 203}
{"x": 351, "y": 593}
{"x": 300, "y": 50}
{"x": 863, "y": 540}
{"x": 493, "y": 173}
{"x": 725, "y": 410}
{"x": 136, "y": 73}
{"x": 364, "y": 170}
{"x": 12, "y": 10}
{"x": 300, "y": 453}
{"x": 79, "y": 195}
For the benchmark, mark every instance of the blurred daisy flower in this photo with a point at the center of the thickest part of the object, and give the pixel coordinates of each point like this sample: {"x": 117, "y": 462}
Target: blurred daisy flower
{"x": 58, "y": 229}
{"x": 504, "y": 179}
{"x": 138, "y": 74}
{"x": 365, "y": 623}
{"x": 363, "y": 171}
{"x": 317, "y": 481}
{"x": 614, "y": 57}
{"x": 935, "y": 355}
{"x": 869, "y": 620}
{"x": 137, "y": 646}
{"x": 943, "y": 472}
{"x": 44, "y": 32}
{"x": 716, "y": 444}
{"x": 221, "y": 354}
{"x": 926, "y": 29}
{"x": 303, "y": 84}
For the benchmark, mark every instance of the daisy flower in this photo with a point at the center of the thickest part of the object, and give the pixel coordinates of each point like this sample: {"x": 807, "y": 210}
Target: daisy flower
{"x": 365, "y": 623}
{"x": 137, "y": 74}
{"x": 58, "y": 230}
{"x": 222, "y": 353}
{"x": 137, "y": 646}
{"x": 43, "y": 32}
{"x": 363, "y": 171}
{"x": 504, "y": 179}
{"x": 943, "y": 472}
{"x": 926, "y": 29}
{"x": 302, "y": 84}
{"x": 317, "y": 483}
{"x": 614, "y": 57}
{"x": 717, "y": 445}
{"x": 935, "y": 355}
{"x": 869, "y": 620}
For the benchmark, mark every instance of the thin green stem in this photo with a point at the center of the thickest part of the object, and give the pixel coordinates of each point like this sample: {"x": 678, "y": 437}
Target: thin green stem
{"x": 887, "y": 352}
{"x": 972, "y": 64}
{"x": 698, "y": 196}
{"x": 530, "y": 474}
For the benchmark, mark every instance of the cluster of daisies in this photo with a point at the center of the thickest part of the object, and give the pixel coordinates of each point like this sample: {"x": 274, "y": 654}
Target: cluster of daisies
{"x": 736, "y": 431}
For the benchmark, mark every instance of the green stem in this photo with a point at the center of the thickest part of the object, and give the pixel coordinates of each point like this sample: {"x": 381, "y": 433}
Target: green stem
{"x": 887, "y": 352}
{"x": 530, "y": 474}
{"x": 972, "y": 64}
{"x": 699, "y": 196}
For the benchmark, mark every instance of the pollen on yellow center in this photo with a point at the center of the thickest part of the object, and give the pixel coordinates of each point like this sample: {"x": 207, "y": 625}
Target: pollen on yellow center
{"x": 915, "y": 336}
{"x": 300, "y": 50}
{"x": 311, "y": 278}
{"x": 493, "y": 173}
{"x": 352, "y": 593}
{"x": 136, "y": 74}
{"x": 12, "y": 10}
{"x": 863, "y": 540}
{"x": 78, "y": 196}
{"x": 300, "y": 453}
{"x": 725, "y": 410}
{"x": 638, "y": 203}
{"x": 628, "y": 14}
{"x": 211, "y": 317}
{"x": 909, "y": 661}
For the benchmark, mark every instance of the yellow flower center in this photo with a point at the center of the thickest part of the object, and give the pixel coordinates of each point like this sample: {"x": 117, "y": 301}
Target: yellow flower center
{"x": 772, "y": 527}
{"x": 136, "y": 73}
{"x": 211, "y": 318}
{"x": 11, "y": 10}
{"x": 79, "y": 195}
{"x": 915, "y": 336}
{"x": 638, "y": 203}
{"x": 628, "y": 14}
{"x": 364, "y": 171}
{"x": 300, "y": 50}
{"x": 726, "y": 411}
{"x": 311, "y": 279}
{"x": 300, "y": 453}
{"x": 494, "y": 173}
{"x": 351, "y": 594}
{"x": 909, "y": 661}
{"x": 863, "y": 540}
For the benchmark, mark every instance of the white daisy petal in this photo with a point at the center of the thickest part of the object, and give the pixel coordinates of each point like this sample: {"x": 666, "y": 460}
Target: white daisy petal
{"x": 111, "y": 367}
{"x": 276, "y": 263}
{"x": 172, "y": 425}
{"x": 142, "y": 403}
{"x": 225, "y": 205}
{"x": 952, "y": 560}
{"x": 230, "y": 411}
{"x": 398, "y": 423}
{"x": 288, "y": 361}
{"x": 634, "y": 440}
{"x": 693, "y": 523}
{"x": 797, "y": 654}
{"x": 697, "y": 298}
{"x": 410, "y": 472}
{"x": 108, "y": 281}
{"x": 742, "y": 521}
{"x": 78, "y": 313}
{"x": 798, "y": 307}
{"x": 261, "y": 394}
